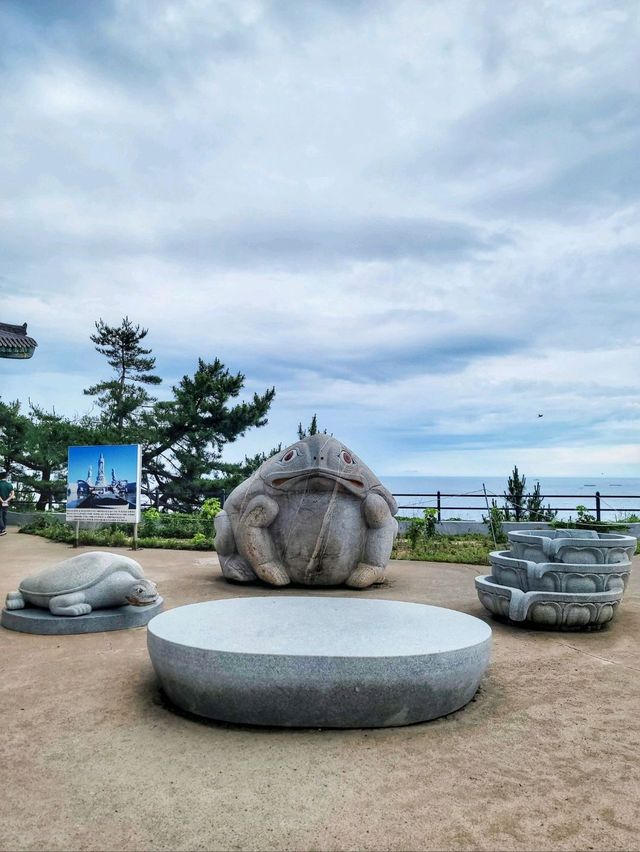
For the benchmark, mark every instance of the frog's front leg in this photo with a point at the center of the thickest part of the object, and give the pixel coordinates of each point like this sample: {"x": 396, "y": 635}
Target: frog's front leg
{"x": 381, "y": 531}
{"x": 234, "y": 566}
{"x": 257, "y": 542}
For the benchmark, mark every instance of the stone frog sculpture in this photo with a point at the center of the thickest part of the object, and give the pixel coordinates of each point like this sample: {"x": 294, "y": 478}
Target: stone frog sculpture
{"x": 312, "y": 514}
{"x": 94, "y": 580}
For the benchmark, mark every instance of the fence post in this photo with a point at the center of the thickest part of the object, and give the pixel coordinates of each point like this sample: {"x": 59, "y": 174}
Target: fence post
{"x": 489, "y": 516}
{"x": 598, "y": 506}
{"x": 438, "y": 506}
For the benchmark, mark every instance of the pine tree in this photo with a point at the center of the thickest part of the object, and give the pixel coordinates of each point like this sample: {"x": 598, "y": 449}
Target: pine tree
{"x": 312, "y": 428}
{"x": 515, "y": 495}
{"x": 536, "y": 510}
{"x": 122, "y": 397}
{"x": 182, "y": 438}
{"x": 182, "y": 453}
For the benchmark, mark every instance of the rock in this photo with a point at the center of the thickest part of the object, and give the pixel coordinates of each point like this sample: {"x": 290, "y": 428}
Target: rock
{"x": 313, "y": 514}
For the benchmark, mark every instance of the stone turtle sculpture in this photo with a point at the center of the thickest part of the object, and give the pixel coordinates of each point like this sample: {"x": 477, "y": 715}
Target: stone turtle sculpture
{"x": 312, "y": 514}
{"x": 89, "y": 581}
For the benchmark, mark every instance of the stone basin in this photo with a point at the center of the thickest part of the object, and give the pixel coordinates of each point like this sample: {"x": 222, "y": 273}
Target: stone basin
{"x": 557, "y": 576}
{"x": 578, "y": 547}
{"x": 334, "y": 662}
{"x": 555, "y": 610}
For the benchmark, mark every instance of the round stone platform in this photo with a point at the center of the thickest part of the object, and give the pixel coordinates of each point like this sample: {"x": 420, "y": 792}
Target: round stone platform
{"x": 318, "y": 661}
{"x": 33, "y": 619}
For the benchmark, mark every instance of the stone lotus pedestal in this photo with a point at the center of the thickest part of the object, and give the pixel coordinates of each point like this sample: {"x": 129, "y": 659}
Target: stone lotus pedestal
{"x": 318, "y": 662}
{"x": 560, "y": 579}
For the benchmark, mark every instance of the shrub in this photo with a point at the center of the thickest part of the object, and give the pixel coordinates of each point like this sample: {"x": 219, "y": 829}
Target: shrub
{"x": 210, "y": 508}
{"x": 430, "y": 521}
{"x": 585, "y": 517}
{"x": 200, "y": 541}
{"x": 494, "y": 521}
{"x": 415, "y": 532}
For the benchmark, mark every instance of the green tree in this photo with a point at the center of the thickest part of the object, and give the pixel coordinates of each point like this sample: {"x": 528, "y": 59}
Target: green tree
{"x": 536, "y": 510}
{"x": 185, "y": 436}
{"x": 312, "y": 429}
{"x": 122, "y": 397}
{"x": 34, "y": 448}
{"x": 182, "y": 438}
{"x": 515, "y": 496}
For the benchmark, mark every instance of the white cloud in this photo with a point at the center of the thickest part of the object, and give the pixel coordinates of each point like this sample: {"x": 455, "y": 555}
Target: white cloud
{"x": 419, "y": 220}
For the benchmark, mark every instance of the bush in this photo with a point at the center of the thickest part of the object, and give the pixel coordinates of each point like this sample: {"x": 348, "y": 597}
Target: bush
{"x": 201, "y": 542}
{"x": 430, "y": 521}
{"x": 210, "y": 508}
{"x": 415, "y": 532}
{"x": 157, "y": 524}
{"x": 120, "y": 535}
{"x": 494, "y": 522}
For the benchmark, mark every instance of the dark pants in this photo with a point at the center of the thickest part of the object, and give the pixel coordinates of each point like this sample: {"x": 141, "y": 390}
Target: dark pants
{"x": 3, "y": 517}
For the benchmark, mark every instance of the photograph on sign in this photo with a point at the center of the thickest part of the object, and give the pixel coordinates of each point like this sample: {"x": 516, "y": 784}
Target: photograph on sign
{"x": 104, "y": 483}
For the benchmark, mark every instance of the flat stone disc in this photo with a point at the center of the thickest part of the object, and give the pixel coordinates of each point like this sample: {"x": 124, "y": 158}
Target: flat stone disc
{"x": 318, "y": 661}
{"x": 33, "y": 619}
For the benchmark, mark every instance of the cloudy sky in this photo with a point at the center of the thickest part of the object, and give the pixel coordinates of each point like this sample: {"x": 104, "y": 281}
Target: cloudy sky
{"x": 418, "y": 219}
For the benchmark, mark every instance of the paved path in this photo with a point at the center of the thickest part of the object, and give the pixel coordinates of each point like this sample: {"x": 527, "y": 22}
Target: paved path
{"x": 546, "y": 757}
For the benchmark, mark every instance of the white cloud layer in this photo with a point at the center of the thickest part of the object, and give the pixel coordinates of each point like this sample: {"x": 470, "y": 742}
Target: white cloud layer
{"x": 419, "y": 220}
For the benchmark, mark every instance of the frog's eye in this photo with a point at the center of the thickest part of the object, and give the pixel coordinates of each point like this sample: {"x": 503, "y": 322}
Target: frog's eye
{"x": 289, "y": 455}
{"x": 346, "y": 457}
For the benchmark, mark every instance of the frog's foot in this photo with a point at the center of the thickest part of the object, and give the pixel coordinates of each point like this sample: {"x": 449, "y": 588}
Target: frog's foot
{"x": 71, "y": 604}
{"x": 273, "y": 573}
{"x": 237, "y": 568}
{"x": 364, "y": 576}
{"x": 15, "y": 601}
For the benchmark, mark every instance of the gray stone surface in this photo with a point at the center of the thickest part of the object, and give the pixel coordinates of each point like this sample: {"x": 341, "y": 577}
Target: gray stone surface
{"x": 581, "y": 547}
{"x": 94, "y": 580}
{"x": 313, "y": 514}
{"x": 41, "y": 621}
{"x": 318, "y": 662}
{"x": 557, "y": 576}
{"x": 558, "y": 610}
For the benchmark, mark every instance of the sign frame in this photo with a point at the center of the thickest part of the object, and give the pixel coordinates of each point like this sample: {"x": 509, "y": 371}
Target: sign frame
{"x": 107, "y": 503}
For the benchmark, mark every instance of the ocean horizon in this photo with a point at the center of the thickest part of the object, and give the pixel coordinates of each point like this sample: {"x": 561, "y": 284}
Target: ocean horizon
{"x": 619, "y": 496}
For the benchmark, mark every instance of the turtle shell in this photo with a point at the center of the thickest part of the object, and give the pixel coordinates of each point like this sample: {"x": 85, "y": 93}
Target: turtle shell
{"x": 79, "y": 573}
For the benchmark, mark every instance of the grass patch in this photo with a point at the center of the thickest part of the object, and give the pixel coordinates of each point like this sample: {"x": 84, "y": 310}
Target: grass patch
{"x": 471, "y": 548}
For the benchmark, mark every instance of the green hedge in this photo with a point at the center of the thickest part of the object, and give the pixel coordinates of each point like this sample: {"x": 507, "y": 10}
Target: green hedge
{"x": 181, "y": 532}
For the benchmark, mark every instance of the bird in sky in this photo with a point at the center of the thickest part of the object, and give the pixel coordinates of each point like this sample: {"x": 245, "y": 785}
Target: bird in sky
{"x": 540, "y": 415}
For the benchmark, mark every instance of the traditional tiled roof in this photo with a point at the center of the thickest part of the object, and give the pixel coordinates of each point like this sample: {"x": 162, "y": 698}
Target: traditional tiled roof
{"x": 14, "y": 341}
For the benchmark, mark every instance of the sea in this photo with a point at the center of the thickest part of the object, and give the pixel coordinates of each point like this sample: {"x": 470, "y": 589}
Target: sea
{"x": 618, "y": 496}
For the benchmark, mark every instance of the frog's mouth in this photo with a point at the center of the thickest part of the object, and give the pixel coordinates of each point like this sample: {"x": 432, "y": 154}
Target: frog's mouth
{"x": 348, "y": 482}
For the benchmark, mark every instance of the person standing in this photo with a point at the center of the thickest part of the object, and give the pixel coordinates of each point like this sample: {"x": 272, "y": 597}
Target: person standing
{"x": 6, "y": 496}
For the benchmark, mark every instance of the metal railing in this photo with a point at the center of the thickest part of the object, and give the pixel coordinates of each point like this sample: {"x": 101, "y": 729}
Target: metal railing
{"x": 599, "y": 501}
{"x": 597, "y": 497}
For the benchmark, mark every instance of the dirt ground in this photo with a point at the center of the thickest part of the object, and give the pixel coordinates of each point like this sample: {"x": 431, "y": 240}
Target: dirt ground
{"x": 545, "y": 757}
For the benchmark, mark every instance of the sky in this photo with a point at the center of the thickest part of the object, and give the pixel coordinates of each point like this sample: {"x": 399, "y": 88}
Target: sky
{"x": 119, "y": 459}
{"x": 419, "y": 220}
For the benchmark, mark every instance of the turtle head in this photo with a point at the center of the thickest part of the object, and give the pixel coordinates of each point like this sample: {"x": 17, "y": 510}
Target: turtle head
{"x": 142, "y": 593}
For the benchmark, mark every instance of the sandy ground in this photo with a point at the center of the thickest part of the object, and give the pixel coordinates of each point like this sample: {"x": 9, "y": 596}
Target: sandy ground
{"x": 546, "y": 757}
